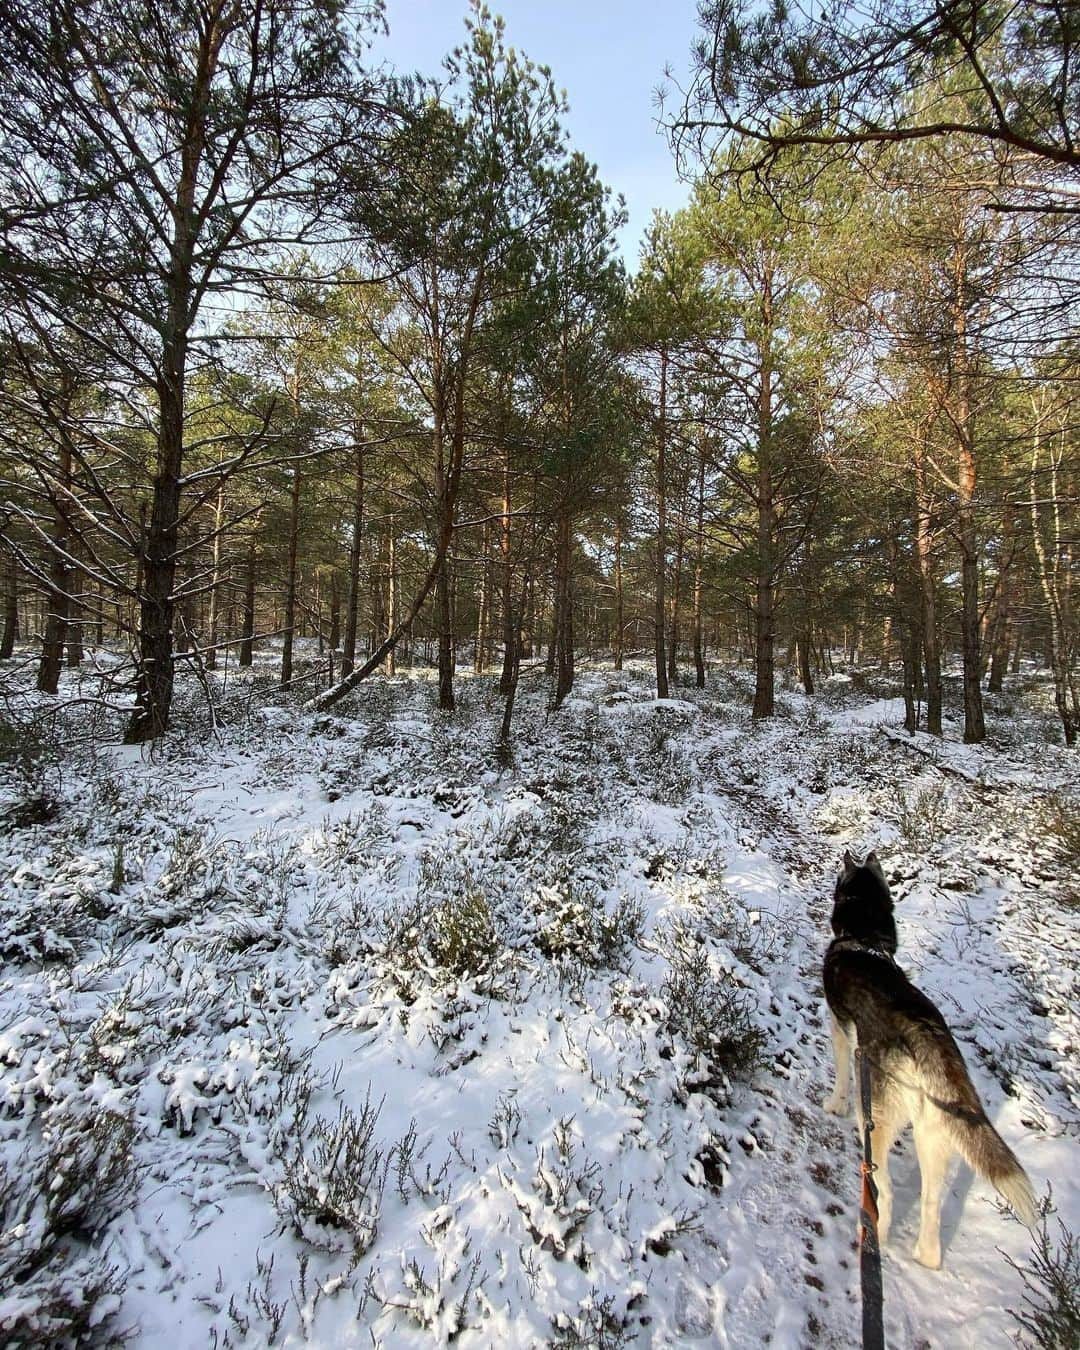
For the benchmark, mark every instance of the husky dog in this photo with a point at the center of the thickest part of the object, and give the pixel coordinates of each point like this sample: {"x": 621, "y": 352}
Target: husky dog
{"x": 917, "y": 1073}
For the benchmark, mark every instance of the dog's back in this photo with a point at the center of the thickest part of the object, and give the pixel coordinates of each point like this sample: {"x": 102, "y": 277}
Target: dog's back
{"x": 917, "y": 1071}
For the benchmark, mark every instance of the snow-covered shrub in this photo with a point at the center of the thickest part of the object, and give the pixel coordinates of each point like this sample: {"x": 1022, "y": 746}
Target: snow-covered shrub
{"x": 186, "y": 886}
{"x": 565, "y": 1192}
{"x": 1049, "y": 1317}
{"x": 332, "y": 1195}
{"x": 707, "y": 1008}
{"x": 355, "y": 840}
{"x": 922, "y": 814}
{"x": 54, "y": 1288}
{"x": 1059, "y": 821}
{"x": 595, "y": 1326}
{"x": 573, "y": 922}
{"x": 30, "y": 770}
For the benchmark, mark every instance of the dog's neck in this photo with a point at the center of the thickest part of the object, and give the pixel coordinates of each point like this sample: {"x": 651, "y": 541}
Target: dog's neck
{"x": 847, "y": 942}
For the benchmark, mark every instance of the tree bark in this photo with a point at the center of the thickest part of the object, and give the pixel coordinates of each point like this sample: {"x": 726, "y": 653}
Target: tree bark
{"x": 619, "y": 604}
{"x": 765, "y": 592}
{"x": 563, "y": 618}
{"x": 60, "y": 578}
{"x": 699, "y": 555}
{"x": 290, "y": 578}
{"x": 215, "y": 582}
{"x": 924, "y": 553}
{"x": 659, "y": 611}
{"x": 391, "y": 595}
{"x": 11, "y": 608}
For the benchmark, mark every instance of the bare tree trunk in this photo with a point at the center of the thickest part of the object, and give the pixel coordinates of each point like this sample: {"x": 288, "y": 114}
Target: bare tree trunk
{"x": 391, "y": 596}
{"x": 445, "y": 622}
{"x": 290, "y": 578}
{"x": 335, "y": 612}
{"x": 974, "y": 724}
{"x": 482, "y": 608}
{"x": 155, "y": 674}
{"x": 563, "y": 619}
{"x": 765, "y": 591}
{"x": 58, "y": 593}
{"x": 619, "y": 611}
{"x": 507, "y": 569}
{"x": 699, "y": 554}
{"x": 515, "y": 667}
{"x": 1003, "y": 596}
{"x": 11, "y": 608}
{"x": 352, "y": 604}
{"x": 676, "y": 587}
{"x": 215, "y": 582}
{"x": 924, "y": 553}
{"x": 247, "y": 633}
{"x": 659, "y": 611}
{"x": 1048, "y": 567}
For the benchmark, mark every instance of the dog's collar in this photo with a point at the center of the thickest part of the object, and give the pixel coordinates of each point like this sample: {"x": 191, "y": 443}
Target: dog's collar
{"x": 846, "y": 943}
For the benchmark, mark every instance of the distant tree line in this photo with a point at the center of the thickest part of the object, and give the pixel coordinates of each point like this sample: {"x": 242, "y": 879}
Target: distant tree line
{"x": 292, "y": 348}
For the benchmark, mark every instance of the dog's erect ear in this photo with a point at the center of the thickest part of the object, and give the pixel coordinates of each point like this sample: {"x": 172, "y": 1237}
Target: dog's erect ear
{"x": 874, "y": 866}
{"x": 849, "y": 867}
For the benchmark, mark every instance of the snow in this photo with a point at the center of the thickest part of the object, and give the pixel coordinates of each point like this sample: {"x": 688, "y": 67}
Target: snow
{"x": 392, "y": 1044}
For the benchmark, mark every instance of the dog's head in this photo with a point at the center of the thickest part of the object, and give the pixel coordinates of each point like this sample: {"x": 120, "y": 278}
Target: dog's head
{"x": 862, "y": 904}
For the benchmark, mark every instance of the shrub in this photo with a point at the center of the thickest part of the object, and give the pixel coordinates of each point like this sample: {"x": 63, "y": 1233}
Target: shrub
{"x": 922, "y": 814}
{"x": 54, "y": 1290}
{"x": 1050, "y": 1316}
{"x": 708, "y": 1012}
{"x": 574, "y": 923}
{"x": 332, "y": 1196}
{"x": 1059, "y": 821}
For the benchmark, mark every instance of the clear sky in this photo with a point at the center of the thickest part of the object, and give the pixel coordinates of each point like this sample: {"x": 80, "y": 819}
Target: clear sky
{"x": 609, "y": 56}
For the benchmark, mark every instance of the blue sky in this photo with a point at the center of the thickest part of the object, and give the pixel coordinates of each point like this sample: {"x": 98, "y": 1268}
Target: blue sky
{"x": 609, "y": 56}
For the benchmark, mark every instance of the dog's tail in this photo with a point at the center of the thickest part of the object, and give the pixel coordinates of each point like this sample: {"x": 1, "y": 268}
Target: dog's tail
{"x": 974, "y": 1138}
{"x": 980, "y": 1145}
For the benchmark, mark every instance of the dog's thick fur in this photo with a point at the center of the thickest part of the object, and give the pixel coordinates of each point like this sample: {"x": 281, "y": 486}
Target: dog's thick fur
{"x": 917, "y": 1071}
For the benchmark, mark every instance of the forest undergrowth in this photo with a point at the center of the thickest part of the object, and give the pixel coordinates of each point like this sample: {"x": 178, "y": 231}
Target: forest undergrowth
{"x": 343, "y": 1029}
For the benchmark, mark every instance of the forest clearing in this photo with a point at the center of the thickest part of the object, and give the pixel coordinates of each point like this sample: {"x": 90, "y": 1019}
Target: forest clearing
{"x": 461, "y": 606}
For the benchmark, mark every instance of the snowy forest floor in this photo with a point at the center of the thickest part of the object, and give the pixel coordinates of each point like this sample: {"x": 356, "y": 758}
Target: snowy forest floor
{"x": 338, "y": 1030}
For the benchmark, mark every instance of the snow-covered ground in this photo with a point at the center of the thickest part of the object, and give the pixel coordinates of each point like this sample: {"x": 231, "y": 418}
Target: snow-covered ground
{"x": 341, "y": 1030}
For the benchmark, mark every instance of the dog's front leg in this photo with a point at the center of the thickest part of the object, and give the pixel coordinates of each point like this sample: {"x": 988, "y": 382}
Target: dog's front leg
{"x": 839, "y": 1104}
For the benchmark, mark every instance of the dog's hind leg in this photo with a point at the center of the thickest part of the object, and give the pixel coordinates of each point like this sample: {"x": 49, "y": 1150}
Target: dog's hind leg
{"x": 933, "y": 1149}
{"x": 839, "y": 1104}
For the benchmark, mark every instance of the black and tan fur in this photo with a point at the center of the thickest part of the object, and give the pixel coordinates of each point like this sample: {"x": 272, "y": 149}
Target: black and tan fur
{"x": 917, "y": 1071}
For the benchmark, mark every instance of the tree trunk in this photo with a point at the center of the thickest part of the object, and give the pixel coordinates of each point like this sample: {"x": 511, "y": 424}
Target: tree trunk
{"x": 480, "y": 644}
{"x": 619, "y": 608}
{"x": 11, "y": 608}
{"x": 1047, "y": 567}
{"x": 563, "y": 618}
{"x": 290, "y": 579}
{"x": 155, "y": 673}
{"x": 803, "y": 644}
{"x": 335, "y": 612}
{"x": 765, "y": 593}
{"x": 247, "y": 634}
{"x": 659, "y": 611}
{"x": 215, "y": 582}
{"x": 974, "y": 725}
{"x": 1003, "y": 597}
{"x": 60, "y": 579}
{"x": 924, "y": 553}
{"x": 699, "y": 554}
{"x": 391, "y": 596}
{"x": 352, "y": 604}
{"x": 676, "y": 587}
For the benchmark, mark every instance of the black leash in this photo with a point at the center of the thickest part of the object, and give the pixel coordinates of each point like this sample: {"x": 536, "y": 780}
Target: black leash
{"x": 873, "y": 1294}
